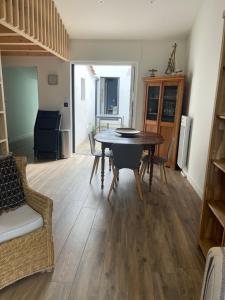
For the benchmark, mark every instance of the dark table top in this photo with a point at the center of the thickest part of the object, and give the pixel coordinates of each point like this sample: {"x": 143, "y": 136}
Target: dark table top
{"x": 143, "y": 138}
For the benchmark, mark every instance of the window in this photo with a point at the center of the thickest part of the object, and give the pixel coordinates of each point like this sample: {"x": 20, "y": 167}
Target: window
{"x": 110, "y": 99}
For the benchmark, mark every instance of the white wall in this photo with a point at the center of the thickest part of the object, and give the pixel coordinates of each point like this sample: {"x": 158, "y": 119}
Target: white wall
{"x": 84, "y": 109}
{"x": 51, "y": 97}
{"x": 147, "y": 54}
{"x": 204, "y": 55}
{"x": 124, "y": 75}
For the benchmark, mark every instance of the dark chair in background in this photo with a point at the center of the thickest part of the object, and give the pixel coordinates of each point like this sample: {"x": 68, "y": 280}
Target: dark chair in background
{"x": 47, "y": 134}
{"x": 160, "y": 161}
{"x": 97, "y": 155}
{"x": 126, "y": 157}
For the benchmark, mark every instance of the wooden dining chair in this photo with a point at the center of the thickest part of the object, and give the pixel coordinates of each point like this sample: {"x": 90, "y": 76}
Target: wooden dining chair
{"x": 126, "y": 156}
{"x": 97, "y": 155}
{"x": 158, "y": 160}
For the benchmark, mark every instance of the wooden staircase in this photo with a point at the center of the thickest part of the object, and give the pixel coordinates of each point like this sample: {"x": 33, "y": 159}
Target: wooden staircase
{"x": 32, "y": 28}
{"x": 29, "y": 28}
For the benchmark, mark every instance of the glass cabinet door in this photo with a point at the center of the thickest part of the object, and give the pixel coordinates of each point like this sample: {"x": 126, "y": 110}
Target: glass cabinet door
{"x": 169, "y": 104}
{"x": 153, "y": 102}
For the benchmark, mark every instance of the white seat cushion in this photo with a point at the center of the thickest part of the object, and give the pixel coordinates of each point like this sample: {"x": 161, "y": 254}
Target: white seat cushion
{"x": 18, "y": 222}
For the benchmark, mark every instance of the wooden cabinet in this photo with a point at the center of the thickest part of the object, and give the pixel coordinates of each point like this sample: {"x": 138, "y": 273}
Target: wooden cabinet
{"x": 212, "y": 229}
{"x": 162, "y": 113}
{"x": 4, "y": 148}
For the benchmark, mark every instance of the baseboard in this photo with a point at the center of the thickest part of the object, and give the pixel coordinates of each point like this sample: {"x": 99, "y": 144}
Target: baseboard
{"x": 195, "y": 186}
{"x": 21, "y": 137}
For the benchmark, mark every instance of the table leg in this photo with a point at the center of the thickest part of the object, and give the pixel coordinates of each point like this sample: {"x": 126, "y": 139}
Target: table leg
{"x": 151, "y": 155}
{"x": 103, "y": 166}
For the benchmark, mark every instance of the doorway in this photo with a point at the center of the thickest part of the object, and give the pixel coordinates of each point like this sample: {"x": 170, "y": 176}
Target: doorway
{"x": 102, "y": 98}
{"x": 21, "y": 107}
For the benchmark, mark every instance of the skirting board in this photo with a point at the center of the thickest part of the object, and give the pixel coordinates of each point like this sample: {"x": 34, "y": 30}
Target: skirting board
{"x": 195, "y": 186}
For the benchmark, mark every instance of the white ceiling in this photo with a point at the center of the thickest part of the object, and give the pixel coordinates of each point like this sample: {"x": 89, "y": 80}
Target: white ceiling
{"x": 128, "y": 19}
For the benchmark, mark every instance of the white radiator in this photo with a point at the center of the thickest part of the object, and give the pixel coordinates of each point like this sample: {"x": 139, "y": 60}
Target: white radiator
{"x": 183, "y": 141}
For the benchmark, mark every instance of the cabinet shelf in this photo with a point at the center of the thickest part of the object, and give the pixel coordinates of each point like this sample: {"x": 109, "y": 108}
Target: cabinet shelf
{"x": 3, "y": 141}
{"x": 220, "y": 164}
{"x": 218, "y": 209}
{"x": 2, "y": 112}
{"x": 222, "y": 116}
{"x": 167, "y": 98}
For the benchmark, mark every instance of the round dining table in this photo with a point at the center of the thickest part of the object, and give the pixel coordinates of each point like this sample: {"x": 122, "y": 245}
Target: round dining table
{"x": 149, "y": 141}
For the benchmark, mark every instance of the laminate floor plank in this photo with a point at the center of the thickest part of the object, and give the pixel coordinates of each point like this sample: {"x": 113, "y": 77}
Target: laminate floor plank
{"x": 129, "y": 250}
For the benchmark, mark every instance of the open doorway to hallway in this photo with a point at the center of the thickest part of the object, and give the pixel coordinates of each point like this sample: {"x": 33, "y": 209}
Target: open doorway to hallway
{"x": 103, "y": 99}
{"x": 21, "y": 99}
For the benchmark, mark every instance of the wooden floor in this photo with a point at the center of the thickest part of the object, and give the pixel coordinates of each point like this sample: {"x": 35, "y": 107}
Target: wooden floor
{"x": 137, "y": 250}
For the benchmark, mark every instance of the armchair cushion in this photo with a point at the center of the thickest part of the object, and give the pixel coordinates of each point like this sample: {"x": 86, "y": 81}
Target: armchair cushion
{"x": 11, "y": 190}
{"x": 19, "y": 222}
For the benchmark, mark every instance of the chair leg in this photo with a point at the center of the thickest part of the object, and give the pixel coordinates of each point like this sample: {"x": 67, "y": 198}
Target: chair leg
{"x": 112, "y": 184}
{"x": 93, "y": 168}
{"x": 164, "y": 172}
{"x": 161, "y": 172}
{"x": 141, "y": 169}
{"x": 97, "y": 163}
{"x": 145, "y": 165}
{"x": 138, "y": 182}
{"x": 115, "y": 176}
{"x": 110, "y": 164}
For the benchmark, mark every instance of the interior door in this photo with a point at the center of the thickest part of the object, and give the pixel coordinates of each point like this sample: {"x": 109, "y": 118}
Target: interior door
{"x": 168, "y": 115}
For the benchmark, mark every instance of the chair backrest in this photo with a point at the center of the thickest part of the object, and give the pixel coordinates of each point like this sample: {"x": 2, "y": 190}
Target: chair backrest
{"x": 127, "y": 156}
{"x": 92, "y": 142}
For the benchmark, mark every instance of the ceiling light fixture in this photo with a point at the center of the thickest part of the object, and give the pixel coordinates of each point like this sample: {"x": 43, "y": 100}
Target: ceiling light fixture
{"x": 152, "y": 1}
{"x": 101, "y": 1}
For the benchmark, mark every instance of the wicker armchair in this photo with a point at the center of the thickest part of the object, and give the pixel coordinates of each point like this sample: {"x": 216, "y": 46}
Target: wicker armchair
{"x": 32, "y": 252}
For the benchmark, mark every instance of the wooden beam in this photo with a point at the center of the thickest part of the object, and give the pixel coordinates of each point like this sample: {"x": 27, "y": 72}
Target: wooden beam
{"x": 36, "y": 19}
{"x": 27, "y": 16}
{"x": 9, "y": 11}
{"x": 14, "y": 40}
{"x": 16, "y": 13}
{"x": 26, "y": 53}
{"x": 4, "y": 29}
{"x": 40, "y": 21}
{"x": 32, "y": 25}
{"x": 9, "y": 34}
{"x": 21, "y": 15}
{"x": 20, "y": 47}
{"x": 24, "y": 50}
{"x": 44, "y": 21}
{"x": 50, "y": 25}
{"x": 2, "y": 10}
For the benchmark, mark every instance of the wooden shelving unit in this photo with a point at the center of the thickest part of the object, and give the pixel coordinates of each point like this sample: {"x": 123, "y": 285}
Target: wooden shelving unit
{"x": 4, "y": 147}
{"x": 220, "y": 164}
{"x": 212, "y": 229}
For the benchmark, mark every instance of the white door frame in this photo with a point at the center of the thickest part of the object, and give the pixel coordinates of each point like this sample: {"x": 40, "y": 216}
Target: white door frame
{"x": 134, "y": 83}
